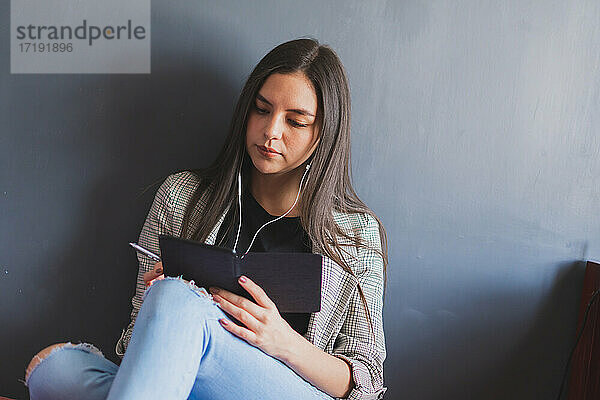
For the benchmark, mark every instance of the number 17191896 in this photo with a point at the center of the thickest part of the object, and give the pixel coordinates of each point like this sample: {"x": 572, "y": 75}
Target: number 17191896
{"x": 42, "y": 47}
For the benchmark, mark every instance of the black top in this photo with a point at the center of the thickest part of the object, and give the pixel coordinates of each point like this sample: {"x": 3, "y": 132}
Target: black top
{"x": 283, "y": 236}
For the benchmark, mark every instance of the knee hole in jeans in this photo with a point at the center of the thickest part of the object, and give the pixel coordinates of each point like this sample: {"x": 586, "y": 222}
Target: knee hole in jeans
{"x": 48, "y": 351}
{"x": 201, "y": 291}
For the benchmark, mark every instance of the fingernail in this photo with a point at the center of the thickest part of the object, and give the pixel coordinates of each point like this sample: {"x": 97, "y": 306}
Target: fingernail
{"x": 243, "y": 279}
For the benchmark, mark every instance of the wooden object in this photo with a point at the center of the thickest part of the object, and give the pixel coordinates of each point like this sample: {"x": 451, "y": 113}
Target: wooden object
{"x": 584, "y": 382}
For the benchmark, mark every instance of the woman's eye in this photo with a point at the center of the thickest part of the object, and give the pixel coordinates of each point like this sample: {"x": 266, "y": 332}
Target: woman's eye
{"x": 297, "y": 124}
{"x": 260, "y": 110}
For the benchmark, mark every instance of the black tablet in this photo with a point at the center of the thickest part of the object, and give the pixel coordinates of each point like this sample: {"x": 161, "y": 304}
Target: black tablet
{"x": 291, "y": 280}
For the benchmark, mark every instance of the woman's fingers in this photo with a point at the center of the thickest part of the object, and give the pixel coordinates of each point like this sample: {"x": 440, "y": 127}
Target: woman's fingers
{"x": 256, "y": 292}
{"x": 238, "y": 311}
{"x": 246, "y": 334}
{"x": 154, "y": 273}
{"x": 158, "y": 278}
{"x": 238, "y": 302}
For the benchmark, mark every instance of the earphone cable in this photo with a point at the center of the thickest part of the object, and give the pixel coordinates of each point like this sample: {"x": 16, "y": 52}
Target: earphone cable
{"x": 237, "y": 237}
{"x": 278, "y": 218}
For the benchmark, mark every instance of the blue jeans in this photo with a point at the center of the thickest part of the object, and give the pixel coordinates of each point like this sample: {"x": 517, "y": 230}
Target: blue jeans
{"x": 178, "y": 350}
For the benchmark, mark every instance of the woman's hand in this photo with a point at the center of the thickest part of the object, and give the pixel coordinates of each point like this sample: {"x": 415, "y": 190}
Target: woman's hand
{"x": 265, "y": 327}
{"x": 154, "y": 274}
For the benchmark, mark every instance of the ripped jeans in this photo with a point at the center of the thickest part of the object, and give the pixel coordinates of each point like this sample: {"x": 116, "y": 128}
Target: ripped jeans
{"x": 178, "y": 350}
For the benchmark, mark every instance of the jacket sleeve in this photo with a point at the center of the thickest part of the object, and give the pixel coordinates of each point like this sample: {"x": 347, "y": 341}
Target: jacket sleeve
{"x": 355, "y": 343}
{"x": 158, "y": 221}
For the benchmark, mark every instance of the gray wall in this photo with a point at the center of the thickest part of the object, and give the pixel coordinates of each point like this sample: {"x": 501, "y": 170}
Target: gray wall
{"x": 474, "y": 139}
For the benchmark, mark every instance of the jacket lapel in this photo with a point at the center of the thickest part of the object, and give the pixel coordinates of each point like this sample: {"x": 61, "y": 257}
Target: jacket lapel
{"x": 337, "y": 288}
{"x": 212, "y": 237}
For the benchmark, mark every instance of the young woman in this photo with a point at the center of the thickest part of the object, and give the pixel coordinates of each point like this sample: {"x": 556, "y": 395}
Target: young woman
{"x": 284, "y": 173}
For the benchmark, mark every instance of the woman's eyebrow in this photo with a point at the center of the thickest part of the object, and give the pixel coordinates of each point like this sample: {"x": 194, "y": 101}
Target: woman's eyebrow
{"x": 296, "y": 110}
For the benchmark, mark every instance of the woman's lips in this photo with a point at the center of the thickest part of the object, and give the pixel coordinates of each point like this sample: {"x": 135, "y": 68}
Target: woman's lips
{"x": 265, "y": 151}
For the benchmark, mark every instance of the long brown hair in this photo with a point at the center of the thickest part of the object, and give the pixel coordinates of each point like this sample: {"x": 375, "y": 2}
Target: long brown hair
{"x": 328, "y": 185}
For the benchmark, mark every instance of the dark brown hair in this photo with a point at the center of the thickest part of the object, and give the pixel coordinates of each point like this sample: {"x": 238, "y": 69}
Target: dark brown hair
{"x": 328, "y": 185}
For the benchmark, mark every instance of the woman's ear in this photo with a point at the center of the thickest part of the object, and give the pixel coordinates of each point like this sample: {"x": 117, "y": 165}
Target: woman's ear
{"x": 313, "y": 150}
{"x": 317, "y": 141}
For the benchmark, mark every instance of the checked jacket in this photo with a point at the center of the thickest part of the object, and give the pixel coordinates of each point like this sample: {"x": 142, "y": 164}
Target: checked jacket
{"x": 340, "y": 328}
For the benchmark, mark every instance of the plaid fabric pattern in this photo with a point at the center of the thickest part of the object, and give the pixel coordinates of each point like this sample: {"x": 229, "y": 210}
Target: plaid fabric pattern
{"x": 340, "y": 328}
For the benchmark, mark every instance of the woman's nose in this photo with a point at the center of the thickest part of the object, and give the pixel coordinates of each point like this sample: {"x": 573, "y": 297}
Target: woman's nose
{"x": 274, "y": 128}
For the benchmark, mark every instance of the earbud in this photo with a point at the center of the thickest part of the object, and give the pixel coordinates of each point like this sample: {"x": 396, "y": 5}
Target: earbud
{"x": 307, "y": 167}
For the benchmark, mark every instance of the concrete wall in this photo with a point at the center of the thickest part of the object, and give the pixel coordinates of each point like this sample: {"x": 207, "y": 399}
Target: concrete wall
{"x": 475, "y": 139}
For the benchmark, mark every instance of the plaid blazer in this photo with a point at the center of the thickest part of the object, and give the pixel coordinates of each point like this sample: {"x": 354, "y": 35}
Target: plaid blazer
{"x": 340, "y": 328}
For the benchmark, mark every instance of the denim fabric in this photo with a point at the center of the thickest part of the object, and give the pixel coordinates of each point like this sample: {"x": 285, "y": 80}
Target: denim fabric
{"x": 178, "y": 350}
{"x": 341, "y": 327}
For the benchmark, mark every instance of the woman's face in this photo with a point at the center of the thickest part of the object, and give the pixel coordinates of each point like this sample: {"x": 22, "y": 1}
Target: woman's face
{"x": 282, "y": 129}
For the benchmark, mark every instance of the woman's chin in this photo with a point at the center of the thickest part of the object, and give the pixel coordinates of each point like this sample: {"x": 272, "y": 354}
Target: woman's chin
{"x": 266, "y": 168}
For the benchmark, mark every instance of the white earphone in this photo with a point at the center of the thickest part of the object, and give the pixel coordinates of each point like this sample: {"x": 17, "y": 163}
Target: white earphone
{"x": 267, "y": 223}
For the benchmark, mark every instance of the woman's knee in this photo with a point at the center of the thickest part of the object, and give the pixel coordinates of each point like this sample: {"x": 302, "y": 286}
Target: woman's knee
{"x": 173, "y": 295}
{"x": 175, "y": 286}
{"x": 70, "y": 371}
{"x": 39, "y": 357}
{"x": 43, "y": 355}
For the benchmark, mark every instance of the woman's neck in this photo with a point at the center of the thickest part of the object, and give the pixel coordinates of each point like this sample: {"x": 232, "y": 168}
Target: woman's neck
{"x": 276, "y": 193}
